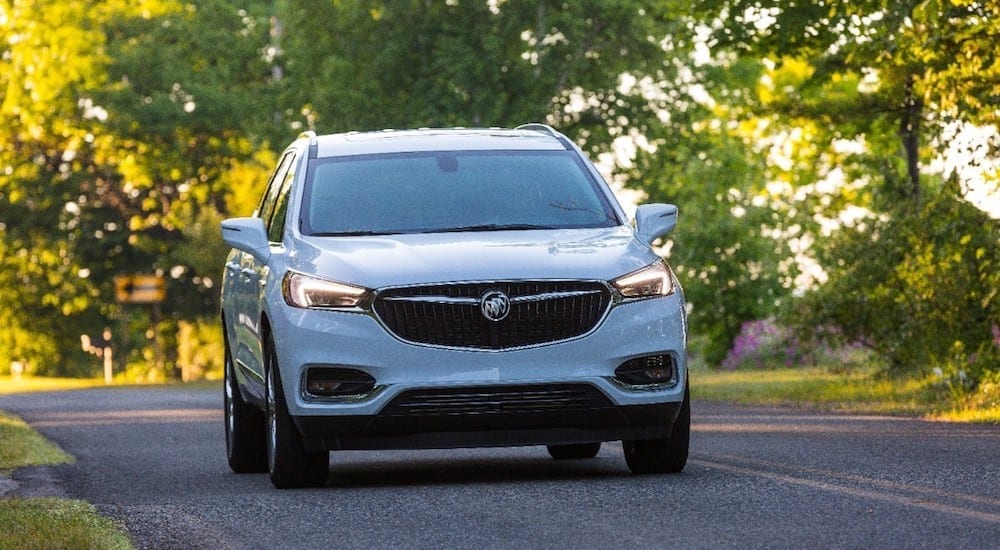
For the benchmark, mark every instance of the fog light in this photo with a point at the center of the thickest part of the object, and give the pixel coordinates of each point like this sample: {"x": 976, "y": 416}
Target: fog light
{"x": 336, "y": 381}
{"x": 652, "y": 369}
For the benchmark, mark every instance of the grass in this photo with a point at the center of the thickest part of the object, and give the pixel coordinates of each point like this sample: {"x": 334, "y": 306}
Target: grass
{"x": 23, "y": 446}
{"x": 56, "y": 523}
{"x": 24, "y": 384}
{"x": 978, "y": 416}
{"x": 820, "y": 389}
{"x": 46, "y": 522}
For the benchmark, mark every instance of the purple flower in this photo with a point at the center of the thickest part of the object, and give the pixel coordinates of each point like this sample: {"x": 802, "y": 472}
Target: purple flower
{"x": 762, "y": 343}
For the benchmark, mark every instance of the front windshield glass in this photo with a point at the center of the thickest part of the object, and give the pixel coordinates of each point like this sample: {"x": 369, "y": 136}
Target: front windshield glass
{"x": 452, "y": 191}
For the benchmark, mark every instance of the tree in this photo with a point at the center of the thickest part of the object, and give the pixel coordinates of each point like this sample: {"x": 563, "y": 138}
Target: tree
{"x": 919, "y": 288}
{"x": 464, "y": 63}
{"x": 886, "y": 76}
{"x": 50, "y": 133}
{"x": 122, "y": 124}
{"x": 733, "y": 268}
{"x": 193, "y": 100}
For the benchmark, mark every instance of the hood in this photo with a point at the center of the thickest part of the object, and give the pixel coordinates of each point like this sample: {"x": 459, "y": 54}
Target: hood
{"x": 398, "y": 260}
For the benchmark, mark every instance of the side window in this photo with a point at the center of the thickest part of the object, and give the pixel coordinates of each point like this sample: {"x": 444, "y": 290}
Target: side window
{"x": 277, "y": 225}
{"x": 266, "y": 208}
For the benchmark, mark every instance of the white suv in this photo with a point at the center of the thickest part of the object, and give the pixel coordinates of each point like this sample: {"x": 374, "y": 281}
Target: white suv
{"x": 448, "y": 288}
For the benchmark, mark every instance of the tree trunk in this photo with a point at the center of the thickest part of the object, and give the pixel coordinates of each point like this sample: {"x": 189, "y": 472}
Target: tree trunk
{"x": 909, "y": 131}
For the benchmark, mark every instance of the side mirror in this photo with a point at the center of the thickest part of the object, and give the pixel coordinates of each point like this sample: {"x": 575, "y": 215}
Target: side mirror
{"x": 248, "y": 235}
{"x": 653, "y": 221}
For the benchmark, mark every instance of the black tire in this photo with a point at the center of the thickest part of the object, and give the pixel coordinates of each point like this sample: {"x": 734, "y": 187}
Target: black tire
{"x": 575, "y": 451}
{"x": 662, "y": 456}
{"x": 245, "y": 447}
{"x": 289, "y": 464}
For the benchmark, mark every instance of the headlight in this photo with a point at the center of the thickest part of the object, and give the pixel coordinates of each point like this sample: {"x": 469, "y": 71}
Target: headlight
{"x": 652, "y": 280}
{"x": 309, "y": 292}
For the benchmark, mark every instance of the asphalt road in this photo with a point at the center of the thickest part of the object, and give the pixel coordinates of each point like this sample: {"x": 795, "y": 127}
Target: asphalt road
{"x": 154, "y": 460}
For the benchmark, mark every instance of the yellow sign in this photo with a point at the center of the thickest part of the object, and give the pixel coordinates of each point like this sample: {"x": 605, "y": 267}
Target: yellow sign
{"x": 140, "y": 289}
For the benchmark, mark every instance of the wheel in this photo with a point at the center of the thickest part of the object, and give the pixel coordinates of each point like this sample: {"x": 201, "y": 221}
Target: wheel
{"x": 245, "y": 448}
{"x": 575, "y": 451}
{"x": 288, "y": 463}
{"x": 657, "y": 456}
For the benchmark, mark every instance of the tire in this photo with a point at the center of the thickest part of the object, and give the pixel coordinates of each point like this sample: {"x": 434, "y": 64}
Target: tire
{"x": 574, "y": 452}
{"x": 245, "y": 447}
{"x": 662, "y": 456}
{"x": 288, "y": 463}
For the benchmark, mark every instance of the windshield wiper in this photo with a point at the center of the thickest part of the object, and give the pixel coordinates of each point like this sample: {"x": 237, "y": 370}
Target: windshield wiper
{"x": 490, "y": 227}
{"x": 573, "y": 207}
{"x": 353, "y": 233}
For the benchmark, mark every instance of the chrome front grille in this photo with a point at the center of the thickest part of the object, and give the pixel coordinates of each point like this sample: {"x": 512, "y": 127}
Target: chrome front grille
{"x": 452, "y": 315}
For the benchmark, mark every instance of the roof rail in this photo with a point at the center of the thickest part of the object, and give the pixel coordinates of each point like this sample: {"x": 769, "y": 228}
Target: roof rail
{"x": 546, "y": 129}
{"x": 539, "y": 127}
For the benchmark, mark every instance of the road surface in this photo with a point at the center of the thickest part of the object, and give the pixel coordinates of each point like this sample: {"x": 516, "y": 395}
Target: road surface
{"x": 154, "y": 460}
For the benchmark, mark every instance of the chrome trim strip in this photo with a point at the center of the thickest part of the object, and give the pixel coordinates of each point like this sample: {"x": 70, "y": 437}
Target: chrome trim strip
{"x": 660, "y": 386}
{"x": 343, "y": 399}
{"x": 245, "y": 369}
{"x": 434, "y": 300}
{"x": 475, "y": 301}
{"x": 552, "y": 296}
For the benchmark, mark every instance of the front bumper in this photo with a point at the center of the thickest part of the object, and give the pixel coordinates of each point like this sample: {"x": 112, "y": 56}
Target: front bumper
{"x": 613, "y": 410}
{"x": 392, "y": 430}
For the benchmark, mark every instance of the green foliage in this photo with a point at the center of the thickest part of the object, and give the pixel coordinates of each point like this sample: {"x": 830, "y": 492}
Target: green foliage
{"x": 723, "y": 249}
{"x": 53, "y": 56}
{"x": 911, "y": 276}
{"x": 919, "y": 287}
{"x": 117, "y": 123}
{"x": 945, "y": 49}
{"x": 200, "y": 350}
{"x": 729, "y": 268}
{"x": 462, "y": 63}
{"x": 20, "y": 342}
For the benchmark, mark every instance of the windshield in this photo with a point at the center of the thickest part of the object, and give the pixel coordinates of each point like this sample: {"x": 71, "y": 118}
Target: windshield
{"x": 452, "y": 191}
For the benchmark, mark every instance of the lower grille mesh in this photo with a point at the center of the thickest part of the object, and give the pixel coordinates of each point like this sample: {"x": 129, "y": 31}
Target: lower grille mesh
{"x": 497, "y": 400}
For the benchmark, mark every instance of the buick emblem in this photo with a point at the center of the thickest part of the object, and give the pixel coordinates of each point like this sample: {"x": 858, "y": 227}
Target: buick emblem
{"x": 495, "y": 305}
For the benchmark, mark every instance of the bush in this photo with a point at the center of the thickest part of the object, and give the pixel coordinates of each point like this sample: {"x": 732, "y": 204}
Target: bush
{"x": 766, "y": 344}
{"x": 761, "y": 344}
{"x": 918, "y": 287}
{"x": 199, "y": 350}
